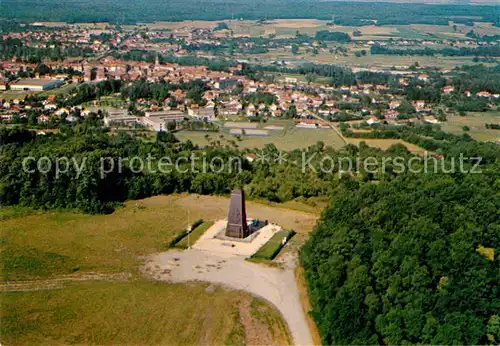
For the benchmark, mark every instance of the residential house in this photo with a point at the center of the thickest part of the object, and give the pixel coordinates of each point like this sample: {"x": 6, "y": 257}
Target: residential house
{"x": 394, "y": 104}
{"x": 448, "y": 89}
{"x": 483, "y": 94}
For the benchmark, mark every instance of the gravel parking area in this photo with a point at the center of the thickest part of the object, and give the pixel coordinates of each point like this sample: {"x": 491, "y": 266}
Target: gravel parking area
{"x": 278, "y": 286}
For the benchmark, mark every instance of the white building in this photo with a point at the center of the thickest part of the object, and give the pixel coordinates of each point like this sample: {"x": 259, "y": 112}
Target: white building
{"x": 35, "y": 84}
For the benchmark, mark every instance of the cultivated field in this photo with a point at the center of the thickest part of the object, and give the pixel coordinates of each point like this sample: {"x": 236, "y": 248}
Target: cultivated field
{"x": 289, "y": 27}
{"x": 41, "y": 251}
{"x": 385, "y": 144}
{"x": 476, "y": 123}
{"x": 368, "y": 61}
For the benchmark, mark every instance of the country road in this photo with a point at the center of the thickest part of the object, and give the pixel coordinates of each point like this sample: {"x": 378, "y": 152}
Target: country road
{"x": 332, "y": 126}
{"x": 278, "y": 286}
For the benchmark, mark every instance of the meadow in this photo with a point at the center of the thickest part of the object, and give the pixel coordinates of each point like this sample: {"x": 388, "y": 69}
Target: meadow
{"x": 385, "y": 144}
{"x": 288, "y": 139}
{"x": 47, "y": 260}
{"x": 288, "y": 28}
{"x": 476, "y": 123}
{"x": 368, "y": 61}
{"x": 138, "y": 313}
{"x": 37, "y": 245}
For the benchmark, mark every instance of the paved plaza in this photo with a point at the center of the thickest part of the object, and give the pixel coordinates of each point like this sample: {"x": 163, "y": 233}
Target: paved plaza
{"x": 240, "y": 247}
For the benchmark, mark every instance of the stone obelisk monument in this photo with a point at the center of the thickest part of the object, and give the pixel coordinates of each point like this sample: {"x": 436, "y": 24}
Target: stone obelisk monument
{"x": 237, "y": 218}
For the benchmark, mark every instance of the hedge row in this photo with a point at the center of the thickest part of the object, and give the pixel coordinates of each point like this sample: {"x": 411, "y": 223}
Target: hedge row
{"x": 272, "y": 248}
{"x": 184, "y": 233}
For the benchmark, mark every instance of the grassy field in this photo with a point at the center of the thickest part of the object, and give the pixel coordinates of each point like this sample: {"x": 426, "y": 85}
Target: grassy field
{"x": 289, "y": 27}
{"x": 476, "y": 122}
{"x": 439, "y": 31}
{"x": 40, "y": 248}
{"x": 282, "y": 28}
{"x": 44, "y": 245}
{"x": 385, "y": 144}
{"x": 137, "y": 313}
{"x": 59, "y": 243}
{"x": 294, "y": 138}
{"x": 369, "y": 60}
{"x": 12, "y": 95}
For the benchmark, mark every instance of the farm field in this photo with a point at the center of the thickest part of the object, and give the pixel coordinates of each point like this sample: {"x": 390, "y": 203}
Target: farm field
{"x": 52, "y": 257}
{"x": 385, "y": 144}
{"x": 283, "y": 28}
{"x": 294, "y": 138}
{"x": 476, "y": 122}
{"x": 378, "y": 60}
{"x": 289, "y": 27}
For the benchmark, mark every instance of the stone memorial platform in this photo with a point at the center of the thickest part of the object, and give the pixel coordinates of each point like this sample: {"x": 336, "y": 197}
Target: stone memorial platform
{"x": 215, "y": 240}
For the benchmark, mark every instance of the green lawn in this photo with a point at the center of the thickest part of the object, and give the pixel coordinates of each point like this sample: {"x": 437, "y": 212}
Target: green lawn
{"x": 194, "y": 235}
{"x": 270, "y": 250}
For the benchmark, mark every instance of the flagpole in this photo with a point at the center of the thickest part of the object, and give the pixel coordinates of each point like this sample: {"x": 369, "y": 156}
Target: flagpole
{"x": 189, "y": 230}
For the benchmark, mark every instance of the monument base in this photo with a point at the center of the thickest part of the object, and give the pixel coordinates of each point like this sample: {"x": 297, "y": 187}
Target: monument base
{"x": 215, "y": 240}
{"x": 253, "y": 226}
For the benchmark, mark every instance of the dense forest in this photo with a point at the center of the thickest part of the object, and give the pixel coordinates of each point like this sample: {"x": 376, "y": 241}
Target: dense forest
{"x": 411, "y": 261}
{"x": 86, "y": 142}
{"x": 346, "y": 13}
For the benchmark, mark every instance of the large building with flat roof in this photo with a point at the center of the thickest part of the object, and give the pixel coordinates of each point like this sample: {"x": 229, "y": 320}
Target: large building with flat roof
{"x": 35, "y": 84}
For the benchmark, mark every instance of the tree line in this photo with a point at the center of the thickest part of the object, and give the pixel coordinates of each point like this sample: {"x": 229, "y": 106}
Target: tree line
{"x": 346, "y": 13}
{"x": 488, "y": 51}
{"x": 14, "y": 47}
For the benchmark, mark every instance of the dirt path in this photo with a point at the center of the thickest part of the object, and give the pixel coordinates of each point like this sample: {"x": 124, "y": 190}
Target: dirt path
{"x": 50, "y": 284}
{"x": 278, "y": 286}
